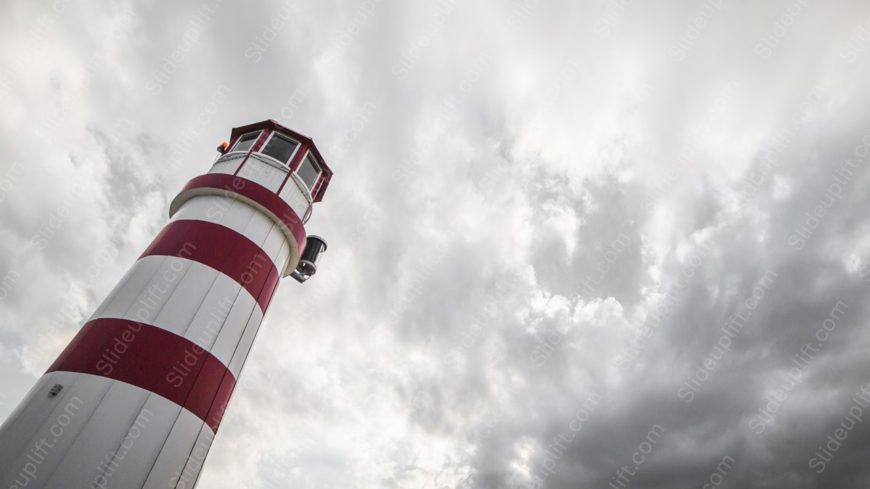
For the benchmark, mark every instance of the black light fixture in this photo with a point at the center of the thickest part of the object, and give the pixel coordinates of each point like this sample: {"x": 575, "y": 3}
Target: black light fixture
{"x": 314, "y": 246}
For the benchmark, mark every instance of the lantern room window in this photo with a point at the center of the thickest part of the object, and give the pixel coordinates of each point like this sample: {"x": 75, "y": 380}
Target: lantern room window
{"x": 309, "y": 171}
{"x": 245, "y": 141}
{"x": 280, "y": 147}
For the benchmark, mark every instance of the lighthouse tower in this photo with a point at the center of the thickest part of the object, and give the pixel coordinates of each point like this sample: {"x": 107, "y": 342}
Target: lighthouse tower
{"x": 135, "y": 399}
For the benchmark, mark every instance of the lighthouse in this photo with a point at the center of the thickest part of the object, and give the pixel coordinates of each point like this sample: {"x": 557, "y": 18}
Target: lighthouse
{"x": 135, "y": 399}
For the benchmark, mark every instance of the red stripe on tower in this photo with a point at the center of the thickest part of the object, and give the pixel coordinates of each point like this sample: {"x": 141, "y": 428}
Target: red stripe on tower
{"x": 229, "y": 185}
{"x": 222, "y": 249}
{"x": 153, "y": 359}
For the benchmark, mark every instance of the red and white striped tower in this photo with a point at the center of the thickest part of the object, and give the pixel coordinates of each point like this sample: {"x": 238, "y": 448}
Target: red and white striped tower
{"x": 135, "y": 400}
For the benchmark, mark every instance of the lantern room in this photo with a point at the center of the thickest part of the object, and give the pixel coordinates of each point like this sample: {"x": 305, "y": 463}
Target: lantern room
{"x": 277, "y": 171}
{"x": 280, "y": 159}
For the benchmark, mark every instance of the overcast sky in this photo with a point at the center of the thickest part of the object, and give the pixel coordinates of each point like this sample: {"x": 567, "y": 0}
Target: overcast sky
{"x": 564, "y": 237}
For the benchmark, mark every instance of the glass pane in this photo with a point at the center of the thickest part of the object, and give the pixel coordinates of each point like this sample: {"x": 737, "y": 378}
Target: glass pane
{"x": 246, "y": 141}
{"x": 308, "y": 171}
{"x": 280, "y": 148}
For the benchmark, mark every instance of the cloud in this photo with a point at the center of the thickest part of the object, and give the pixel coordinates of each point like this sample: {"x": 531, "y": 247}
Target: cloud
{"x": 542, "y": 213}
